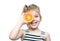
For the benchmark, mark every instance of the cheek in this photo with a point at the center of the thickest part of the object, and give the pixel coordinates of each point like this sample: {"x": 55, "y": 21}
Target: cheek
{"x": 38, "y": 19}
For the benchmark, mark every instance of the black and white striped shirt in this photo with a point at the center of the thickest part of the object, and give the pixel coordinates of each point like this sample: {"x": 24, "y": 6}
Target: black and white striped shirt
{"x": 30, "y": 37}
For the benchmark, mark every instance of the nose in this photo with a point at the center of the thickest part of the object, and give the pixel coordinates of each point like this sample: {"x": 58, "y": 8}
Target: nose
{"x": 34, "y": 19}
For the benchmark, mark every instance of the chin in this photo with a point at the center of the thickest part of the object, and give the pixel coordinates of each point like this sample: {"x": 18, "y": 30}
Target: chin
{"x": 34, "y": 27}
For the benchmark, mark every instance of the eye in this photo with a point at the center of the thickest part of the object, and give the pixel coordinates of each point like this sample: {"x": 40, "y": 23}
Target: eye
{"x": 36, "y": 16}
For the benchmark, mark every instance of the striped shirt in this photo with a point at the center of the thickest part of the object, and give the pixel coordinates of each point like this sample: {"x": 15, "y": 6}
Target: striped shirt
{"x": 30, "y": 37}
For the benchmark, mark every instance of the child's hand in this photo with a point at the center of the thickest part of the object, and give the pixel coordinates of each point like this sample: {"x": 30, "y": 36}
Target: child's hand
{"x": 22, "y": 19}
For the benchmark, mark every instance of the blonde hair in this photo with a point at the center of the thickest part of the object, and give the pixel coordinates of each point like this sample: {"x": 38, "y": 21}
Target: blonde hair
{"x": 32, "y": 7}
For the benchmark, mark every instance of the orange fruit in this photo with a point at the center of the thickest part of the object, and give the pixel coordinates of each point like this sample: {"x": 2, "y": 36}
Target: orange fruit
{"x": 28, "y": 17}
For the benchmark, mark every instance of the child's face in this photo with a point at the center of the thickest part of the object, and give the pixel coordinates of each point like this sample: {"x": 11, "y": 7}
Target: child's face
{"x": 34, "y": 24}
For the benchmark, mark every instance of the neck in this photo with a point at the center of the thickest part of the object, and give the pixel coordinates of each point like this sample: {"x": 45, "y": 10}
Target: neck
{"x": 33, "y": 29}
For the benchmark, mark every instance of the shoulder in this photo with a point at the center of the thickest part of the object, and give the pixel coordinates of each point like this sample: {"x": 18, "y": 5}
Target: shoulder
{"x": 23, "y": 31}
{"x": 48, "y": 37}
{"x": 47, "y": 34}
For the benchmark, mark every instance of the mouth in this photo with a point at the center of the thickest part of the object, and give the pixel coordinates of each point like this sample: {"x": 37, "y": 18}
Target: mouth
{"x": 34, "y": 23}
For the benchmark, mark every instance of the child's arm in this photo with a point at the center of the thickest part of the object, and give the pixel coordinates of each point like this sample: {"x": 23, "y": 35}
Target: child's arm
{"x": 48, "y": 37}
{"x": 17, "y": 32}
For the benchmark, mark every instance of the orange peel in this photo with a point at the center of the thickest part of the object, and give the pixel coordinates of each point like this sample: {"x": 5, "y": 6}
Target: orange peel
{"x": 28, "y": 17}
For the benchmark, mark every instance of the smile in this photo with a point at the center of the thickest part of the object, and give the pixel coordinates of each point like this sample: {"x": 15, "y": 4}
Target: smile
{"x": 34, "y": 23}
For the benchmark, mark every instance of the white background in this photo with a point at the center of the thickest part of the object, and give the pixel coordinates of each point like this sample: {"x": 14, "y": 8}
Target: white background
{"x": 10, "y": 11}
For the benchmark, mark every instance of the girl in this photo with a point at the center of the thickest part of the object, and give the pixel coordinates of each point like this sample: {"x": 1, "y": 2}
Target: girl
{"x": 33, "y": 33}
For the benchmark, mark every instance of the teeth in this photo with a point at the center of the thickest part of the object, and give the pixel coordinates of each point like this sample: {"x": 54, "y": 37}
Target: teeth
{"x": 34, "y": 22}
